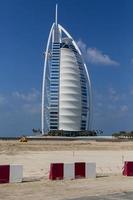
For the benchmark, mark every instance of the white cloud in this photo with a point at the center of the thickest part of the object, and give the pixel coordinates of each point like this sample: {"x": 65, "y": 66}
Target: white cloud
{"x": 111, "y": 107}
{"x": 2, "y": 100}
{"x": 32, "y": 108}
{"x": 124, "y": 108}
{"x": 113, "y": 95}
{"x": 131, "y": 92}
{"x": 27, "y": 102}
{"x": 95, "y": 56}
{"x": 132, "y": 61}
{"x": 112, "y": 91}
{"x": 31, "y": 96}
{"x": 99, "y": 104}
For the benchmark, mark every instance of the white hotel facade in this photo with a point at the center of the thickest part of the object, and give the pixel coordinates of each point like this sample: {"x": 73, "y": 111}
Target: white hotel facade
{"x": 66, "y": 88}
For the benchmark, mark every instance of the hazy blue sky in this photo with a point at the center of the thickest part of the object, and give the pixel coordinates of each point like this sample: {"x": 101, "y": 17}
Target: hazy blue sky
{"x": 104, "y": 32}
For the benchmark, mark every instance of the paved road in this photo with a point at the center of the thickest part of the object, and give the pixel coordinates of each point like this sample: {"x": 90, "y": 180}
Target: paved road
{"x": 121, "y": 196}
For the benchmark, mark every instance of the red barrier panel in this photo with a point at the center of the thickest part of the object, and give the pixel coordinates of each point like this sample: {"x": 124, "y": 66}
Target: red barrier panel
{"x": 128, "y": 168}
{"x": 79, "y": 170}
{"x": 56, "y": 171}
{"x": 4, "y": 173}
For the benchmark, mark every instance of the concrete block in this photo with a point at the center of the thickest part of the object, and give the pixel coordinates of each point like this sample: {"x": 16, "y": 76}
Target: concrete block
{"x": 90, "y": 171}
{"x": 16, "y": 173}
{"x": 4, "y": 173}
{"x": 56, "y": 171}
{"x": 80, "y": 170}
{"x": 69, "y": 171}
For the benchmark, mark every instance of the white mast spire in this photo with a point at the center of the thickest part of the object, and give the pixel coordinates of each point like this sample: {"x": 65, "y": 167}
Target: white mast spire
{"x": 56, "y": 14}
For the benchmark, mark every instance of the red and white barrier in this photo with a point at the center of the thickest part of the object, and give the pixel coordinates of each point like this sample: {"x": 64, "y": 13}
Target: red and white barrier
{"x": 11, "y": 173}
{"x": 128, "y": 168}
{"x": 76, "y": 170}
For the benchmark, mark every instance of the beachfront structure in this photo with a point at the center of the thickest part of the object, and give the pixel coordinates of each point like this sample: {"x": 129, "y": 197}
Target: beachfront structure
{"x": 66, "y": 87}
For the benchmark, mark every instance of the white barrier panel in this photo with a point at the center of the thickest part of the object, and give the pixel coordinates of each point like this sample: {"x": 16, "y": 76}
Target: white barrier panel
{"x": 90, "y": 170}
{"x": 16, "y": 173}
{"x": 69, "y": 171}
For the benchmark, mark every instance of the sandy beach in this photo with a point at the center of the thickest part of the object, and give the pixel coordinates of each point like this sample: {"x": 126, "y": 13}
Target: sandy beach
{"x": 36, "y": 156}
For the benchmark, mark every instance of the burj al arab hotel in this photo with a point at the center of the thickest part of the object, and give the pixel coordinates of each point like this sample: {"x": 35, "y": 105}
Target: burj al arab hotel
{"x": 66, "y": 87}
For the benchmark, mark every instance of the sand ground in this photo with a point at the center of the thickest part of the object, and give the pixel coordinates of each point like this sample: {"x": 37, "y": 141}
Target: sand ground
{"x": 36, "y": 156}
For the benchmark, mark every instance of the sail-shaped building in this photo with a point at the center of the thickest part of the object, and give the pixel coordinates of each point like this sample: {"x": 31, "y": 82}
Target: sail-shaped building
{"x": 66, "y": 87}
